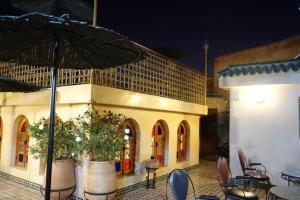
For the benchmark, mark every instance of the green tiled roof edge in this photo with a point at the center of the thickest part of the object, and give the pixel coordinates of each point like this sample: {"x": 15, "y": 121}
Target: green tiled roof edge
{"x": 261, "y": 68}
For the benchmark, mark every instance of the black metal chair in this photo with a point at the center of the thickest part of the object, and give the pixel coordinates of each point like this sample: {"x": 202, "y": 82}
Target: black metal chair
{"x": 256, "y": 171}
{"x": 233, "y": 188}
{"x": 179, "y": 180}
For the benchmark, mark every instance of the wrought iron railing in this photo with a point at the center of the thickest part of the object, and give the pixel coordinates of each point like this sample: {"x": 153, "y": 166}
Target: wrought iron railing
{"x": 155, "y": 75}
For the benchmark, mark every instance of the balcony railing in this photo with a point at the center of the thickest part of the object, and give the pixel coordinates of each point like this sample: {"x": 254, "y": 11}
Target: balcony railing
{"x": 155, "y": 75}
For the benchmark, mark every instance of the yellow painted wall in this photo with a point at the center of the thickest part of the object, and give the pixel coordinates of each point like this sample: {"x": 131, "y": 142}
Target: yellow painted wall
{"x": 124, "y": 98}
{"x": 146, "y": 120}
{"x": 33, "y": 114}
{"x": 73, "y": 100}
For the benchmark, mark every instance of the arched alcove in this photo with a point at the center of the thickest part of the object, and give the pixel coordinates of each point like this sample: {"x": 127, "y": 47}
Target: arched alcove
{"x": 130, "y": 152}
{"x": 159, "y": 142}
{"x": 20, "y": 143}
{"x": 183, "y": 136}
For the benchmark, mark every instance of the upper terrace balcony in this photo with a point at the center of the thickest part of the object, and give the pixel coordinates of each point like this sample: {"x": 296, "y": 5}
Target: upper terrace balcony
{"x": 155, "y": 75}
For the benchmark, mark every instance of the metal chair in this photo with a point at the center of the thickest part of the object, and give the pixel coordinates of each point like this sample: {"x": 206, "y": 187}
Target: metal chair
{"x": 179, "y": 180}
{"x": 232, "y": 186}
{"x": 256, "y": 171}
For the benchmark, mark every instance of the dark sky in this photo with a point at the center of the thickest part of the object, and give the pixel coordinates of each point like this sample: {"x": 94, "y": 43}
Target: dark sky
{"x": 228, "y": 25}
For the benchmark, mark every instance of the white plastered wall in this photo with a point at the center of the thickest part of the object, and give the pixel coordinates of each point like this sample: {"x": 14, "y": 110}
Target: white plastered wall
{"x": 264, "y": 121}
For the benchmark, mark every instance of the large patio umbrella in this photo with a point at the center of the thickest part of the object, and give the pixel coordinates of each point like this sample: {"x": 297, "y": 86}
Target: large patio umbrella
{"x": 77, "y": 9}
{"x": 42, "y": 40}
{"x": 12, "y": 85}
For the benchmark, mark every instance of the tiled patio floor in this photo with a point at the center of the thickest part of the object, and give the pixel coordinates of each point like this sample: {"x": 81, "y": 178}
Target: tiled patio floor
{"x": 10, "y": 190}
{"x": 204, "y": 179}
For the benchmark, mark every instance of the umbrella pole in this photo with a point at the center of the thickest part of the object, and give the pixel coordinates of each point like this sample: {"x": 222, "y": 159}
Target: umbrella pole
{"x": 54, "y": 69}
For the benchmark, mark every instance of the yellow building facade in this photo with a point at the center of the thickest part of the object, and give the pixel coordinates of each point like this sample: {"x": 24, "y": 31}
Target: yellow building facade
{"x": 158, "y": 96}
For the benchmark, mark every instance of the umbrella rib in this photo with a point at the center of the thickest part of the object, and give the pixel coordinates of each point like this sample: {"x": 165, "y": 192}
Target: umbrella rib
{"x": 123, "y": 52}
{"x": 81, "y": 55}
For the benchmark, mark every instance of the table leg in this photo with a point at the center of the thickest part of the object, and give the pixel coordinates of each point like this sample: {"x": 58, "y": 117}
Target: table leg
{"x": 154, "y": 177}
{"x": 148, "y": 179}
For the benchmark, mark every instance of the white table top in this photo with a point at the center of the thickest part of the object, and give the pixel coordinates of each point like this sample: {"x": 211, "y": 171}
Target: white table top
{"x": 284, "y": 192}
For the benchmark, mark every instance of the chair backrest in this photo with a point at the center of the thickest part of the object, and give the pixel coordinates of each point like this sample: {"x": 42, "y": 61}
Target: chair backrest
{"x": 243, "y": 160}
{"x": 178, "y": 179}
{"x": 223, "y": 171}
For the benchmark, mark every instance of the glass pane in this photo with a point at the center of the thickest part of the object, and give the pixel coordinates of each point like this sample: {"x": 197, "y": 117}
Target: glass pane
{"x": 159, "y": 130}
{"x": 22, "y": 144}
{"x": 24, "y": 127}
{"x": 181, "y": 129}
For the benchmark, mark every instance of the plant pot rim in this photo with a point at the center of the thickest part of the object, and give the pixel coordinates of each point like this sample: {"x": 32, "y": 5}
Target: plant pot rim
{"x": 64, "y": 160}
{"x": 102, "y": 162}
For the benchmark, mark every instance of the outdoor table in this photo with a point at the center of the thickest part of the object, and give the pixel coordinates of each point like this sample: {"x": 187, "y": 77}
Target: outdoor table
{"x": 150, "y": 184}
{"x": 284, "y": 192}
{"x": 291, "y": 176}
{"x": 151, "y": 166}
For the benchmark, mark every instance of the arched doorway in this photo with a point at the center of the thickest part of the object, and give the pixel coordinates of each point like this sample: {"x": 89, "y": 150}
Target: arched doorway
{"x": 158, "y": 142}
{"x": 127, "y": 156}
{"x": 209, "y": 134}
{"x": 22, "y": 142}
{"x": 182, "y": 136}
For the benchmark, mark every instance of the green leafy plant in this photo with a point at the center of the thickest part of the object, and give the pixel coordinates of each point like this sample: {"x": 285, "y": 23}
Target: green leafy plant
{"x": 67, "y": 144}
{"x": 104, "y": 135}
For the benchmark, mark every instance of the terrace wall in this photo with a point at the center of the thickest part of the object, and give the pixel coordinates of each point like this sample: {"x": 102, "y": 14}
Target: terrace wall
{"x": 155, "y": 75}
{"x": 143, "y": 108}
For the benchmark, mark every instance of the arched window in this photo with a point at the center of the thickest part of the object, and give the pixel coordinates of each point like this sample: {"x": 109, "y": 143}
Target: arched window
{"x": 181, "y": 142}
{"x": 158, "y": 142}
{"x": 125, "y": 164}
{"x": 22, "y": 143}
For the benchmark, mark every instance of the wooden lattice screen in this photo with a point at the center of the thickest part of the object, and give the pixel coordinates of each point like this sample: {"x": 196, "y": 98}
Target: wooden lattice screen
{"x": 155, "y": 75}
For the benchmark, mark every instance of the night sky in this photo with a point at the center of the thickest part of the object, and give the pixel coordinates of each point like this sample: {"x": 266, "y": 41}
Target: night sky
{"x": 227, "y": 25}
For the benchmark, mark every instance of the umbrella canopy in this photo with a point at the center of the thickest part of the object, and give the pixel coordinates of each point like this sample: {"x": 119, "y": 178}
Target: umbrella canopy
{"x": 28, "y": 39}
{"x": 12, "y": 85}
{"x": 43, "y": 40}
{"x": 76, "y": 8}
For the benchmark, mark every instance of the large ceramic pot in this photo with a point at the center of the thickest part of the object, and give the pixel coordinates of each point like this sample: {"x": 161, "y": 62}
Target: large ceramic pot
{"x": 100, "y": 181}
{"x": 63, "y": 180}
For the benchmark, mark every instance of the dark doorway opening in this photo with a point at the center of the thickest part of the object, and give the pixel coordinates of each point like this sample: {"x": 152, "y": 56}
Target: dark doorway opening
{"x": 209, "y": 135}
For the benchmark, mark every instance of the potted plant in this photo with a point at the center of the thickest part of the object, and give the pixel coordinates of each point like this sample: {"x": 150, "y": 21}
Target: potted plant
{"x": 67, "y": 147}
{"x": 103, "y": 141}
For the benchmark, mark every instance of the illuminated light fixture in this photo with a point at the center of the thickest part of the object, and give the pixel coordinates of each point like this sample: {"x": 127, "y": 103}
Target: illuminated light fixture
{"x": 127, "y": 130}
{"x": 258, "y": 94}
{"x": 126, "y": 137}
{"x": 235, "y": 95}
{"x": 260, "y": 98}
